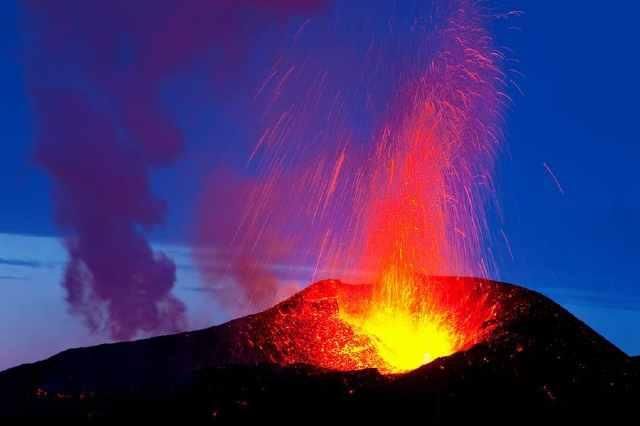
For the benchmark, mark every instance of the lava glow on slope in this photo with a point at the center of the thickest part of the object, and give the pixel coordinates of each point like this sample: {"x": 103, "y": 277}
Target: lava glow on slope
{"x": 341, "y": 326}
{"x": 408, "y": 203}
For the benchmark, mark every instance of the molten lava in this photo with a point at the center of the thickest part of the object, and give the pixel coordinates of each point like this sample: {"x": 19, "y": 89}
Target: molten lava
{"x": 344, "y": 327}
{"x": 408, "y": 333}
{"x": 429, "y": 320}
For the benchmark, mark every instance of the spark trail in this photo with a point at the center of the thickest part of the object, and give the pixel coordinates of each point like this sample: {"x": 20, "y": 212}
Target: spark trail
{"x": 399, "y": 203}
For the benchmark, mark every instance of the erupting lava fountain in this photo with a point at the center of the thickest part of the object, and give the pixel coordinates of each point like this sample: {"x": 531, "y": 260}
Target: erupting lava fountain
{"x": 398, "y": 210}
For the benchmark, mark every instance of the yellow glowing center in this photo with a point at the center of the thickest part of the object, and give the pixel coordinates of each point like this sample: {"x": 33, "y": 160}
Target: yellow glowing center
{"x": 406, "y": 334}
{"x": 405, "y": 342}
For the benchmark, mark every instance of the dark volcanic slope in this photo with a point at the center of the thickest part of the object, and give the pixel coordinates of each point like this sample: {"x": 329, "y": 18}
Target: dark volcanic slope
{"x": 540, "y": 363}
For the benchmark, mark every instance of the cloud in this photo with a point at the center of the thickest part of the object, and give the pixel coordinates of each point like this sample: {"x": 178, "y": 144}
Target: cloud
{"x": 19, "y": 262}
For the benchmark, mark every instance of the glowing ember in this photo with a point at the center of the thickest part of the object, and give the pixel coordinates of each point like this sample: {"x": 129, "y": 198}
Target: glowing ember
{"x": 408, "y": 204}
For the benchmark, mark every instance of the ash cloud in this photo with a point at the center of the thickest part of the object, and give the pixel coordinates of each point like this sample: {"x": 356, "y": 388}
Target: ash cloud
{"x": 95, "y": 71}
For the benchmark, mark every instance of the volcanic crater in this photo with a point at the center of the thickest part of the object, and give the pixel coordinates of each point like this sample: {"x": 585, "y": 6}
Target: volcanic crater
{"x": 511, "y": 351}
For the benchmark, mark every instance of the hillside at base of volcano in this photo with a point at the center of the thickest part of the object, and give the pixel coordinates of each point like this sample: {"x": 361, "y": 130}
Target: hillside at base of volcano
{"x": 538, "y": 362}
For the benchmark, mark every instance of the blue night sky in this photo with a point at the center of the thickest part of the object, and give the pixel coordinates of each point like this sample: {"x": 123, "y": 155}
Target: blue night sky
{"x": 577, "y": 239}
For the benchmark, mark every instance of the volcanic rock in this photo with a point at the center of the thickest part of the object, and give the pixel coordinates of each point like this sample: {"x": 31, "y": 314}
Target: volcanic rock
{"x": 538, "y": 363}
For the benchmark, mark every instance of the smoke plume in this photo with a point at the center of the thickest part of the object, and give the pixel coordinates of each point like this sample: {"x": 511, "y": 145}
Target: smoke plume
{"x": 96, "y": 71}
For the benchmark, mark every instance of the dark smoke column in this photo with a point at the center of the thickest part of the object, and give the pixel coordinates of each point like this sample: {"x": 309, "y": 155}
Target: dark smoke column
{"x": 103, "y": 197}
{"x": 95, "y": 71}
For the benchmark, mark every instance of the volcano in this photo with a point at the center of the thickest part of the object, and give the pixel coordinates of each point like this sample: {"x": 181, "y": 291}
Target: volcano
{"x": 304, "y": 359}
